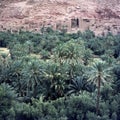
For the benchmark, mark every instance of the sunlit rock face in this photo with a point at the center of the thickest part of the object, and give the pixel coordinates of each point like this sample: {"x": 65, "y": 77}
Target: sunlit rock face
{"x": 100, "y": 16}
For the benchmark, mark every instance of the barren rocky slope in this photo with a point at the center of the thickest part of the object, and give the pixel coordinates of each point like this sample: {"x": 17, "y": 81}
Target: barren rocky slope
{"x": 100, "y": 16}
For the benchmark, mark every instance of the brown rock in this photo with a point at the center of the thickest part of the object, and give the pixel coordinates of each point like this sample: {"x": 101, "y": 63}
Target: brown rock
{"x": 33, "y": 14}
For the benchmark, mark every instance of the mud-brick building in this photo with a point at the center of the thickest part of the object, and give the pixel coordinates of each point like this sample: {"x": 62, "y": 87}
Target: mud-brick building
{"x": 72, "y": 24}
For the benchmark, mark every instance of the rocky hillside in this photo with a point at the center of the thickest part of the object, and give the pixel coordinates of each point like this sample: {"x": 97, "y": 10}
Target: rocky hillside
{"x": 101, "y": 16}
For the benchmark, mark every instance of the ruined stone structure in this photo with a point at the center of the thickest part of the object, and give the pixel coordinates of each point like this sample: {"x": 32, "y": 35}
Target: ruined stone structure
{"x": 72, "y": 15}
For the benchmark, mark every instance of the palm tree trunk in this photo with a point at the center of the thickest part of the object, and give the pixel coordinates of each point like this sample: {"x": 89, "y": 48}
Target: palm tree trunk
{"x": 98, "y": 95}
{"x": 71, "y": 71}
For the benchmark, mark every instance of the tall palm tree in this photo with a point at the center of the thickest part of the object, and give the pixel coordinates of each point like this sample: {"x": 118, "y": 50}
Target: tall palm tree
{"x": 71, "y": 53}
{"x": 98, "y": 73}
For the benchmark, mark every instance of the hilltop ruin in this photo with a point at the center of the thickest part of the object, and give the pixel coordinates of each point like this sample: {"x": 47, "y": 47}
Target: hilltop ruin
{"x": 73, "y": 15}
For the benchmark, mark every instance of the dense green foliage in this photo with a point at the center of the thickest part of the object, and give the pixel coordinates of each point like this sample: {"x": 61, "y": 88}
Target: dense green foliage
{"x": 59, "y": 76}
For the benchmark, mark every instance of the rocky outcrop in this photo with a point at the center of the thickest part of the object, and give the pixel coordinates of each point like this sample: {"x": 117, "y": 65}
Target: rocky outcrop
{"x": 97, "y": 15}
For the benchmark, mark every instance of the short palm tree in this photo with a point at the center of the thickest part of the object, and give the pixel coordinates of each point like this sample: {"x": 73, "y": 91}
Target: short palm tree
{"x": 7, "y": 100}
{"x": 99, "y": 74}
{"x": 77, "y": 85}
{"x": 31, "y": 75}
{"x": 55, "y": 77}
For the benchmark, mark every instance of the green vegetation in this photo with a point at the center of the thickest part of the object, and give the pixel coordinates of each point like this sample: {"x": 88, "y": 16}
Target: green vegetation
{"x": 59, "y": 76}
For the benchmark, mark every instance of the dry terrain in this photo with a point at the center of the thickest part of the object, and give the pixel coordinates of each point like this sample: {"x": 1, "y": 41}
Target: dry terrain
{"x": 101, "y": 16}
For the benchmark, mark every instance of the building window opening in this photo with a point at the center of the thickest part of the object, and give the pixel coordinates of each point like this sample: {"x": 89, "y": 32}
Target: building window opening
{"x": 74, "y": 23}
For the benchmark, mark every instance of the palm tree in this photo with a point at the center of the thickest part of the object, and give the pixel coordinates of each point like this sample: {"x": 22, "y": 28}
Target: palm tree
{"x": 77, "y": 85}
{"x": 14, "y": 76}
{"x": 70, "y": 53}
{"x": 117, "y": 80}
{"x": 99, "y": 74}
{"x": 87, "y": 56}
{"x": 55, "y": 80}
{"x": 8, "y": 96}
{"x": 31, "y": 75}
{"x": 19, "y": 50}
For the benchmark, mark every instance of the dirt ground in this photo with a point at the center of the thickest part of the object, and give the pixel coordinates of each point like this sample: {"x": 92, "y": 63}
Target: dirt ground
{"x": 23, "y": 14}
